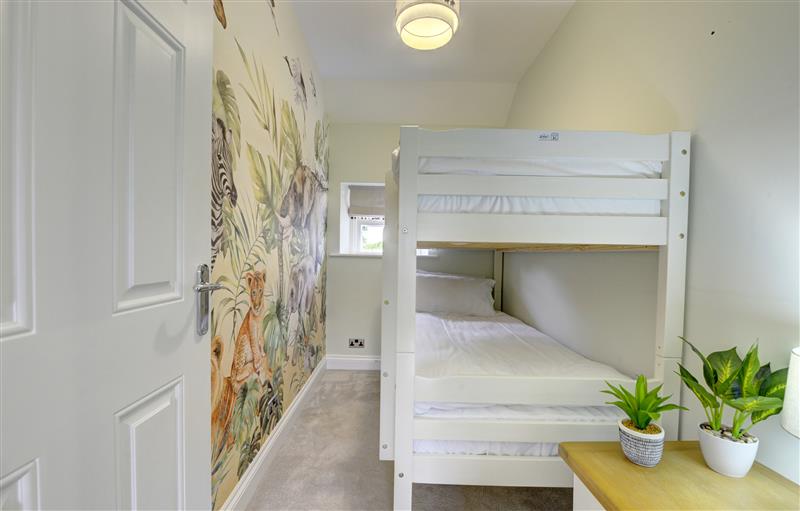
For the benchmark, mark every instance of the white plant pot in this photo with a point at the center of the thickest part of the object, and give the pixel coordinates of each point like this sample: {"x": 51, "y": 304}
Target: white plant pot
{"x": 643, "y": 449}
{"x": 729, "y": 458}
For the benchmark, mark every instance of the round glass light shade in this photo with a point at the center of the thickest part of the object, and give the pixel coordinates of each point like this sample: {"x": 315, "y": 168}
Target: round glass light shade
{"x": 426, "y": 24}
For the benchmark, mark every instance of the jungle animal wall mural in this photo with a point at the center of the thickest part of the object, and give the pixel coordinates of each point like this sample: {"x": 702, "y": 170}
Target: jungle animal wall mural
{"x": 269, "y": 165}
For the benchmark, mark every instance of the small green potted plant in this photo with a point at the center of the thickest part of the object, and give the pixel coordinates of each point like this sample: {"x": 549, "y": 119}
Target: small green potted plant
{"x": 753, "y": 391}
{"x": 642, "y": 439}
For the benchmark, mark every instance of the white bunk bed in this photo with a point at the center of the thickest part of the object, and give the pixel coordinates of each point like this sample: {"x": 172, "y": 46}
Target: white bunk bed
{"x": 519, "y": 190}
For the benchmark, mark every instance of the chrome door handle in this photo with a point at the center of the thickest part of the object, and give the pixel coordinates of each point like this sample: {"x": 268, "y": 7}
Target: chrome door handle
{"x": 206, "y": 287}
{"x": 202, "y": 290}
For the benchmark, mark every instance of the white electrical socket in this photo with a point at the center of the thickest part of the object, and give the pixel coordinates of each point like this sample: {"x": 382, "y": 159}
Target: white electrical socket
{"x": 355, "y": 342}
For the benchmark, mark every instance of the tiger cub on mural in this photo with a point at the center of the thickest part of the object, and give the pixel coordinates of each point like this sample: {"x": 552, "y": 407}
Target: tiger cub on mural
{"x": 249, "y": 357}
{"x": 248, "y": 354}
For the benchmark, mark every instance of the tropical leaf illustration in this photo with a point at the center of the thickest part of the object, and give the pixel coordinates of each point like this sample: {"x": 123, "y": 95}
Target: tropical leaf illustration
{"x": 270, "y": 408}
{"x": 249, "y": 451}
{"x": 321, "y": 151}
{"x": 293, "y": 147}
{"x": 219, "y": 10}
{"x": 245, "y": 410}
{"x": 262, "y": 231}
{"x": 247, "y": 247}
{"x": 259, "y": 94}
{"x": 271, "y": 4}
{"x": 224, "y": 106}
{"x": 299, "y": 82}
{"x": 276, "y": 334}
{"x": 219, "y": 470}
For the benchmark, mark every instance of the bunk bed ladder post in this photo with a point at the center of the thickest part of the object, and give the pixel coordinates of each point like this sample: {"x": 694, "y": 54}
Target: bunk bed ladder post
{"x": 388, "y": 322}
{"x": 498, "y": 280}
{"x": 672, "y": 274}
{"x": 406, "y": 317}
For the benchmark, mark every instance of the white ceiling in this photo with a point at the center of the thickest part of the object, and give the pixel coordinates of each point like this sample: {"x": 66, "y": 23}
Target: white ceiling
{"x": 369, "y": 75}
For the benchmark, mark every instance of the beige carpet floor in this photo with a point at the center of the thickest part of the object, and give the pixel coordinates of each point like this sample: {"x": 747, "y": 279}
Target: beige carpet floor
{"x": 329, "y": 460}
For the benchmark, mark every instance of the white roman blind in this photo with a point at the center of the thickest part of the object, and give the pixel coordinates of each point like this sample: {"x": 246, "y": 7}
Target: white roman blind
{"x": 365, "y": 201}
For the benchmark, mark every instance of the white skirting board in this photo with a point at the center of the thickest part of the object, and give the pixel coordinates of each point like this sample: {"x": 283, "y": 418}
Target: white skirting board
{"x": 354, "y": 362}
{"x": 243, "y": 491}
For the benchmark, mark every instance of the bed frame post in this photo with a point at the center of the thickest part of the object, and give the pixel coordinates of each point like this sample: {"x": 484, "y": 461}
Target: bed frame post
{"x": 388, "y": 321}
{"x": 672, "y": 274}
{"x": 406, "y": 317}
{"x": 498, "y": 280}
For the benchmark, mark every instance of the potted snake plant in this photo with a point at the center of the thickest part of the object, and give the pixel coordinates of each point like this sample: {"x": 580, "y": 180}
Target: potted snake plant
{"x": 641, "y": 438}
{"x": 753, "y": 391}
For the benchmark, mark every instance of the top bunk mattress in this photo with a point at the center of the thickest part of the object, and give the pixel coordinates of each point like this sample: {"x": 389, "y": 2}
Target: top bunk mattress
{"x": 453, "y": 345}
{"x": 556, "y": 167}
{"x": 564, "y": 167}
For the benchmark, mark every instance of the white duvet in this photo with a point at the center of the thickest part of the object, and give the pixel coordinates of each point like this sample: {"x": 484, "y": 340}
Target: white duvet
{"x": 499, "y": 345}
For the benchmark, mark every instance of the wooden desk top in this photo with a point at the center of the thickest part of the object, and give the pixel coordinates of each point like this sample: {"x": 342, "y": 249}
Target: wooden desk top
{"x": 680, "y": 481}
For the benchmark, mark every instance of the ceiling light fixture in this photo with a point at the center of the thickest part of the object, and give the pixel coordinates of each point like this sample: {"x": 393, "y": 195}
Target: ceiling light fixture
{"x": 426, "y": 24}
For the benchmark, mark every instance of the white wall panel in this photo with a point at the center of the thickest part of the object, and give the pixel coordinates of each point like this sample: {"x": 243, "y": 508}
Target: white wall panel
{"x": 613, "y": 294}
{"x": 20, "y": 489}
{"x": 16, "y": 219}
{"x": 150, "y": 441}
{"x": 148, "y": 135}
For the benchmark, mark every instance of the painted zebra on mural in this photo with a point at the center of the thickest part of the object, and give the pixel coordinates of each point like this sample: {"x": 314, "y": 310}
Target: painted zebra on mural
{"x": 222, "y": 184}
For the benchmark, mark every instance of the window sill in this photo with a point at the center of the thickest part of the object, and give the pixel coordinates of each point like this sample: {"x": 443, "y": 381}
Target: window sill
{"x": 374, "y": 256}
{"x": 362, "y": 256}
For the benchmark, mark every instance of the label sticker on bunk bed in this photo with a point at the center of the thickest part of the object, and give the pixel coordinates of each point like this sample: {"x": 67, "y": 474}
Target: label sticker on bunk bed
{"x": 548, "y": 137}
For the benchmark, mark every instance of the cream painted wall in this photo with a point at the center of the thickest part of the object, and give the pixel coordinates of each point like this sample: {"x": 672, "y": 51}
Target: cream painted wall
{"x": 729, "y": 73}
{"x": 601, "y": 305}
{"x": 362, "y": 153}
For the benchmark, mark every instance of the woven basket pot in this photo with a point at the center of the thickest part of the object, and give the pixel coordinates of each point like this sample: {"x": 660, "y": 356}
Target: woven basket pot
{"x": 642, "y": 449}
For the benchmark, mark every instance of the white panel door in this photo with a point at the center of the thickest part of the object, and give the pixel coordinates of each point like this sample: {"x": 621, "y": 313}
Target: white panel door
{"x": 104, "y": 217}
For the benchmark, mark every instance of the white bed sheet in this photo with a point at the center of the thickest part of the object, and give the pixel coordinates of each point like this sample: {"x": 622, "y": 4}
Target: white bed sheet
{"x": 493, "y": 204}
{"x": 485, "y": 448}
{"x": 499, "y": 345}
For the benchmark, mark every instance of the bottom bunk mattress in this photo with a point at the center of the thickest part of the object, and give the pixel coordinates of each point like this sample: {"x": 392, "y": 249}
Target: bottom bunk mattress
{"x": 499, "y": 345}
{"x": 450, "y": 344}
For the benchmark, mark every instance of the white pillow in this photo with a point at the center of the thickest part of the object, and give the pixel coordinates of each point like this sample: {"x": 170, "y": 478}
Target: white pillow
{"x": 440, "y": 292}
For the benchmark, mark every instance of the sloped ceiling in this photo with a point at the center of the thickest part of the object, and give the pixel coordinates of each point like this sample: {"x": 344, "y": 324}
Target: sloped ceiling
{"x": 368, "y": 75}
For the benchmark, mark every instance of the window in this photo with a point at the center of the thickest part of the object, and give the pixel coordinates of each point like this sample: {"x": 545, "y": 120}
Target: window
{"x": 367, "y": 235}
{"x": 362, "y": 218}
